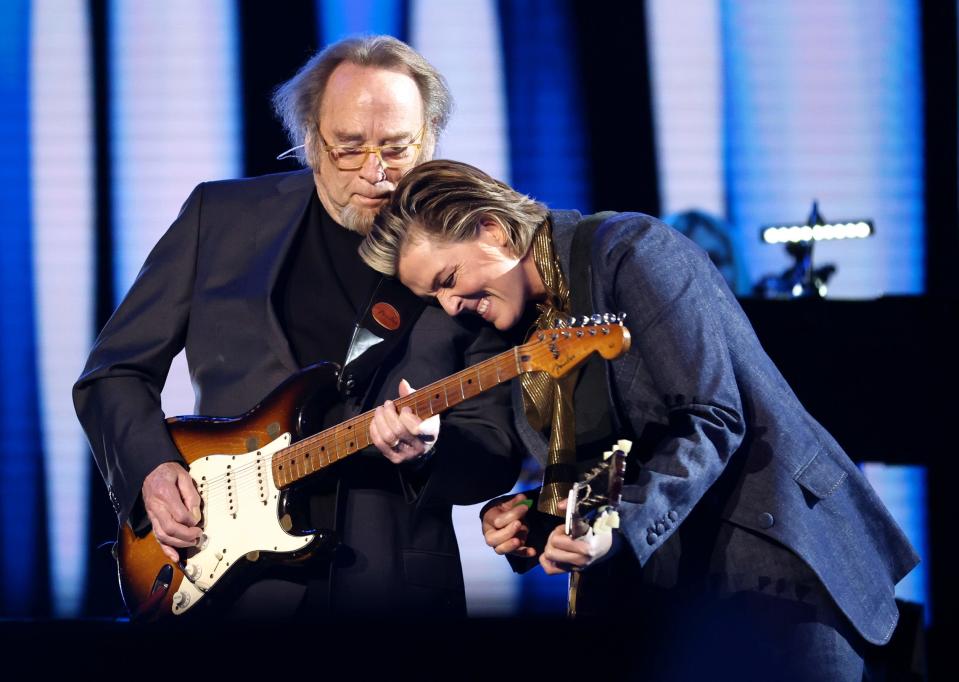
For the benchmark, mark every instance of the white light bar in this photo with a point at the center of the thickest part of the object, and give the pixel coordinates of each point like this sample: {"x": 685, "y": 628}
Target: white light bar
{"x": 784, "y": 234}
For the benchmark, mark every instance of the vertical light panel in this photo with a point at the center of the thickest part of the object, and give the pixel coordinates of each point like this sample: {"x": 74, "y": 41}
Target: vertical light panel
{"x": 903, "y": 490}
{"x": 686, "y": 74}
{"x": 21, "y": 494}
{"x": 823, "y": 101}
{"x": 341, "y": 18}
{"x": 549, "y": 148}
{"x": 461, "y": 39}
{"x": 61, "y": 170}
{"x": 174, "y": 121}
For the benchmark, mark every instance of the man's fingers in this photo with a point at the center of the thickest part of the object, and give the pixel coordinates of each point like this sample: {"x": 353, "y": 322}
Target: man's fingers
{"x": 170, "y": 487}
{"x": 169, "y": 538}
{"x": 390, "y": 418}
{"x": 384, "y": 436}
{"x": 189, "y": 495}
{"x": 377, "y": 435}
{"x": 171, "y": 533}
{"x": 165, "y": 502}
{"x": 405, "y": 425}
{"x": 410, "y": 422}
{"x": 178, "y": 511}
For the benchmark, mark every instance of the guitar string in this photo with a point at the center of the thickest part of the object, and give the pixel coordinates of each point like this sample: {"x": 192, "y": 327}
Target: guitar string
{"x": 340, "y": 436}
{"x": 536, "y": 350}
{"x": 339, "y": 440}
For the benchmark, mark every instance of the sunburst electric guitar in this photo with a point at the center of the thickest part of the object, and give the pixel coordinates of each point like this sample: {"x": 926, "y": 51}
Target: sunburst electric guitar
{"x": 246, "y": 467}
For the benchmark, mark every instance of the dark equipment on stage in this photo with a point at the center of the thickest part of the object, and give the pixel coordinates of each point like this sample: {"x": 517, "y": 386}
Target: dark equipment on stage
{"x": 802, "y": 280}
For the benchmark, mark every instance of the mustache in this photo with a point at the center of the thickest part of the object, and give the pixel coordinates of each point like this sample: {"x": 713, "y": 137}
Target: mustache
{"x": 381, "y": 189}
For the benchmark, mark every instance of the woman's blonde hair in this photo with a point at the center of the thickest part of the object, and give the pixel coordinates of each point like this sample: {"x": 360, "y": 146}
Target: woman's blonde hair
{"x": 446, "y": 201}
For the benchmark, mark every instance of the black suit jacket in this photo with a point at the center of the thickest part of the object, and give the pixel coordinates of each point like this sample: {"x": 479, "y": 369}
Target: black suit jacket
{"x": 206, "y": 286}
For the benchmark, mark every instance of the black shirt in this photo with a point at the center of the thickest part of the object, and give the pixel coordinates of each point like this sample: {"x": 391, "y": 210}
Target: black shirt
{"x": 323, "y": 288}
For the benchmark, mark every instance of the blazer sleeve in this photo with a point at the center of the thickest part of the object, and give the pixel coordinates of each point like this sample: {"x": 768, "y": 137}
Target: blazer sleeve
{"x": 117, "y": 397}
{"x": 665, "y": 286}
{"x": 477, "y": 455}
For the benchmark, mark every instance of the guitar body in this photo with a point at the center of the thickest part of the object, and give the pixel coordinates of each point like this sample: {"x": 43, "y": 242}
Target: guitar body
{"x": 247, "y": 469}
{"x": 246, "y": 520}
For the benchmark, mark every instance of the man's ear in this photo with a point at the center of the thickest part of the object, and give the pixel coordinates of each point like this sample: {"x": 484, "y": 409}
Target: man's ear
{"x": 492, "y": 231}
{"x": 311, "y": 160}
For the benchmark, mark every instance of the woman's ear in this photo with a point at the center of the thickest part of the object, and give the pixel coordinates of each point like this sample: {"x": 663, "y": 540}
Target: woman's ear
{"x": 492, "y": 232}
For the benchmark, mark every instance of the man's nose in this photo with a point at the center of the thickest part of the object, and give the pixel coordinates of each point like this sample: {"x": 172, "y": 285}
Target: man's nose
{"x": 372, "y": 170}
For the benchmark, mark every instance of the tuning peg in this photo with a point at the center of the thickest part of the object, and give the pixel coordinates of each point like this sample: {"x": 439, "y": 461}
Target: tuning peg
{"x": 597, "y": 318}
{"x": 584, "y": 321}
{"x": 614, "y": 318}
{"x": 622, "y": 318}
{"x": 571, "y": 322}
{"x": 605, "y": 318}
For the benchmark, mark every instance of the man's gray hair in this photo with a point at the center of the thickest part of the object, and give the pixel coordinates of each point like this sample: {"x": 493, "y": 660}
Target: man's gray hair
{"x": 445, "y": 201}
{"x": 297, "y": 101}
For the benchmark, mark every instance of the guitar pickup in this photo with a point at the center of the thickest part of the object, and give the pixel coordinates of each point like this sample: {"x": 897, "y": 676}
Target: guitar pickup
{"x": 232, "y": 494}
{"x": 262, "y": 489}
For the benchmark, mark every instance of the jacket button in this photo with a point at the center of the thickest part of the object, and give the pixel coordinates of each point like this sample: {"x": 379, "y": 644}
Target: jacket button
{"x": 660, "y": 528}
{"x": 651, "y": 538}
{"x": 766, "y": 520}
{"x": 673, "y": 516}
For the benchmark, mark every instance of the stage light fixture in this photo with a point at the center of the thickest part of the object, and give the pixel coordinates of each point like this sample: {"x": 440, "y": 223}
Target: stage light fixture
{"x": 802, "y": 280}
{"x": 794, "y": 234}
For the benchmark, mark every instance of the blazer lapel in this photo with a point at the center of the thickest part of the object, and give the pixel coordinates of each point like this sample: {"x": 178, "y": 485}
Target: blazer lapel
{"x": 277, "y": 220}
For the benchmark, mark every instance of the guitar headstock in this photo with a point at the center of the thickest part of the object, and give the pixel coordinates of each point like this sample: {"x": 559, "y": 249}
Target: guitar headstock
{"x": 558, "y": 350}
{"x": 600, "y": 490}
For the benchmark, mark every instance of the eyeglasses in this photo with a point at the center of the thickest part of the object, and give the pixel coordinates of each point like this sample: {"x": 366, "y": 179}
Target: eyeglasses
{"x": 352, "y": 157}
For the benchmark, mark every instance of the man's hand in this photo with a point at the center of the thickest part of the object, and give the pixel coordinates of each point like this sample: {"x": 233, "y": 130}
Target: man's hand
{"x": 564, "y": 554}
{"x": 173, "y": 505}
{"x": 402, "y": 436}
{"x": 504, "y": 530}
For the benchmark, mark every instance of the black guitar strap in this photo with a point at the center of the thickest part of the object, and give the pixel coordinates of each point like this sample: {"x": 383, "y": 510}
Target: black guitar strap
{"x": 388, "y": 318}
{"x": 390, "y": 314}
{"x": 597, "y": 423}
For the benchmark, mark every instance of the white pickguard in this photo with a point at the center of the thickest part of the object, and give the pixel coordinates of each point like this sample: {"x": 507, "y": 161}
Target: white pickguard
{"x": 240, "y": 516}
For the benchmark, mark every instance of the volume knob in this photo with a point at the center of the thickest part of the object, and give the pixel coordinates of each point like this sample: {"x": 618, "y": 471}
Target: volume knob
{"x": 181, "y": 600}
{"x": 192, "y": 572}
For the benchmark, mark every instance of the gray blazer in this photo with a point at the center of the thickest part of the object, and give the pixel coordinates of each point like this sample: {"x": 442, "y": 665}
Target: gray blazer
{"x": 207, "y": 287}
{"x": 697, "y": 372}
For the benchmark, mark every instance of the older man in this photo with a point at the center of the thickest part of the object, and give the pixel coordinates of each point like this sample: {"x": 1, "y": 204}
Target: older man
{"x": 258, "y": 278}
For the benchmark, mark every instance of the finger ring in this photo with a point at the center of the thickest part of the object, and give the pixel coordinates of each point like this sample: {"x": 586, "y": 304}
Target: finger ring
{"x": 396, "y": 443}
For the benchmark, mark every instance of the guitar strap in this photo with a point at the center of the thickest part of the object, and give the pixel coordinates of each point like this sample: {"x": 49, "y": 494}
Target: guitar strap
{"x": 595, "y": 422}
{"x": 390, "y": 314}
{"x": 596, "y": 419}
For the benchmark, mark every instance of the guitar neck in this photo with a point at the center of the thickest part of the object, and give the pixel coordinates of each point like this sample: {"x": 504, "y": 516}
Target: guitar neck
{"x": 327, "y": 447}
{"x": 555, "y": 352}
